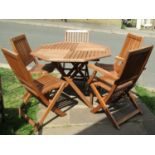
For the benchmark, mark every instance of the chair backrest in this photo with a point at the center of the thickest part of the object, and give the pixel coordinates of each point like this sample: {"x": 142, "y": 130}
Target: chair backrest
{"x": 77, "y": 36}
{"x": 131, "y": 42}
{"x": 132, "y": 69}
{"x": 21, "y": 46}
{"x": 19, "y": 69}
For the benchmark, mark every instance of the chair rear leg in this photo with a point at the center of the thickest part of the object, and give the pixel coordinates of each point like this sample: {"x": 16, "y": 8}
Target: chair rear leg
{"x": 111, "y": 117}
{"x": 26, "y": 117}
{"x": 104, "y": 106}
{"x": 21, "y": 110}
{"x": 91, "y": 98}
{"x": 96, "y": 109}
{"x": 133, "y": 100}
{"x": 26, "y": 97}
{"x": 133, "y": 113}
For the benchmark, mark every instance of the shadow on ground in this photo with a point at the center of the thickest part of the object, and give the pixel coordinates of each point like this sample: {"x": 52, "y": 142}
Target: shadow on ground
{"x": 138, "y": 125}
{"x": 64, "y": 102}
{"x": 12, "y": 122}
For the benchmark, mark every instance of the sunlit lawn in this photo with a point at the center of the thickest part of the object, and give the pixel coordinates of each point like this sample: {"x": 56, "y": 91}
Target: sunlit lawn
{"x": 12, "y": 95}
{"x": 147, "y": 96}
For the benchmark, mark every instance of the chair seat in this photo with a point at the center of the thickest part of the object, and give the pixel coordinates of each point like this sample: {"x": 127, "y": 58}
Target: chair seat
{"x": 109, "y": 67}
{"x": 42, "y": 68}
{"x": 47, "y": 83}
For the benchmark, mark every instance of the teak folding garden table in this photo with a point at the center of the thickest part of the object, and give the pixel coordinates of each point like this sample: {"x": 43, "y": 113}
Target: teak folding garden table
{"x": 77, "y": 54}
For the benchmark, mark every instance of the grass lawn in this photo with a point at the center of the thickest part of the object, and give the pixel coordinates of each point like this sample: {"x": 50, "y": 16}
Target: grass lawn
{"x": 147, "y": 96}
{"x": 12, "y": 95}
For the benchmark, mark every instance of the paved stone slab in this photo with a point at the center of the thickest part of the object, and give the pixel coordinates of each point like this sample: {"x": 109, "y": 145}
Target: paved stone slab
{"x": 65, "y": 130}
{"x": 84, "y": 116}
{"x": 149, "y": 126}
{"x": 52, "y": 120}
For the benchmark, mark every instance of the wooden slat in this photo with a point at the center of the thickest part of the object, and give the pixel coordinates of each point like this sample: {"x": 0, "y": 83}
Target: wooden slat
{"x": 23, "y": 49}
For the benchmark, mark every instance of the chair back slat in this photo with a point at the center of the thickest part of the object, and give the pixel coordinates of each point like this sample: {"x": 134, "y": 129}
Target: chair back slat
{"x": 135, "y": 64}
{"x": 77, "y": 36}
{"x": 131, "y": 42}
{"x": 21, "y": 46}
{"x": 19, "y": 69}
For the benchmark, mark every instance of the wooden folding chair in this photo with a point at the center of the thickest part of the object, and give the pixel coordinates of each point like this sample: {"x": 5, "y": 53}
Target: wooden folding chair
{"x": 41, "y": 88}
{"x": 119, "y": 85}
{"x": 77, "y": 36}
{"x": 21, "y": 46}
{"x": 131, "y": 42}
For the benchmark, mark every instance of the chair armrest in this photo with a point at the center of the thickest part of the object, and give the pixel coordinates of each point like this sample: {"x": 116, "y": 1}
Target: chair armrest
{"x": 119, "y": 58}
{"x": 102, "y": 71}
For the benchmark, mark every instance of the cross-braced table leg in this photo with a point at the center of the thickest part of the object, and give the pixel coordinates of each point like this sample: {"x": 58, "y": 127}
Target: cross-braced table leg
{"x": 70, "y": 76}
{"x": 79, "y": 68}
{"x": 59, "y": 67}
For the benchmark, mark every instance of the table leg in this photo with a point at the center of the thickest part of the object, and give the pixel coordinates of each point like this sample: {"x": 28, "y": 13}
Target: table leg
{"x": 78, "y": 91}
{"x": 74, "y": 71}
{"x": 78, "y": 68}
{"x": 59, "y": 68}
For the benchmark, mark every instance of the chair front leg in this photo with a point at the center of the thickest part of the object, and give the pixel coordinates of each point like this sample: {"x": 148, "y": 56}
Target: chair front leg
{"x": 52, "y": 103}
{"x": 133, "y": 100}
{"x": 91, "y": 77}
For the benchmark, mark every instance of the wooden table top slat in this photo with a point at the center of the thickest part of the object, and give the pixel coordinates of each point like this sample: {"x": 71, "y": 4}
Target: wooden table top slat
{"x": 82, "y": 55}
{"x": 71, "y": 52}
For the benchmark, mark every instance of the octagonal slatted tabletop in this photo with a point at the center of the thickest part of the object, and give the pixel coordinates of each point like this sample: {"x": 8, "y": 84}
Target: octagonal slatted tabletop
{"x": 71, "y": 52}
